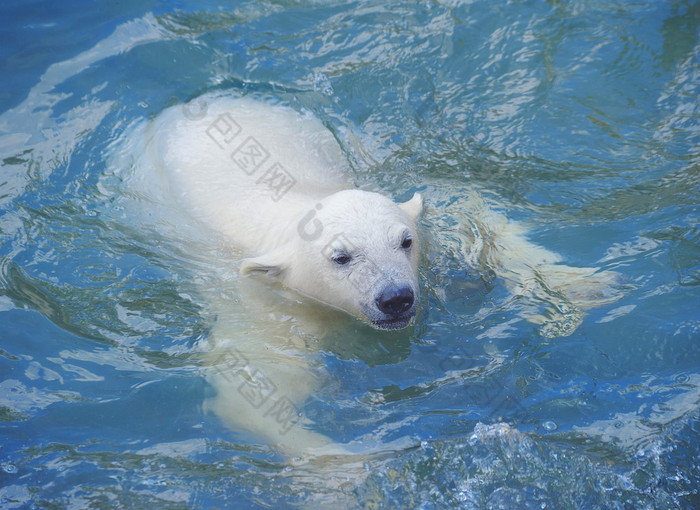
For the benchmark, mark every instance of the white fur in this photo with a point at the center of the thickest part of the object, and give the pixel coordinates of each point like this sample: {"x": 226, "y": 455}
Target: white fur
{"x": 294, "y": 232}
{"x": 315, "y": 235}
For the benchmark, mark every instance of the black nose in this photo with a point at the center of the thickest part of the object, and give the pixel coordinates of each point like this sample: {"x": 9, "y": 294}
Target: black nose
{"x": 395, "y": 300}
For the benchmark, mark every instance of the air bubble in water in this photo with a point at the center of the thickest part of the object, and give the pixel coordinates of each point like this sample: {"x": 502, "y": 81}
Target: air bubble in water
{"x": 550, "y": 426}
{"x": 323, "y": 84}
{"x": 9, "y": 468}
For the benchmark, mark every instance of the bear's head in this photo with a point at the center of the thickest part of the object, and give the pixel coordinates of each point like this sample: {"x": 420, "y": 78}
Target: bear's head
{"x": 356, "y": 251}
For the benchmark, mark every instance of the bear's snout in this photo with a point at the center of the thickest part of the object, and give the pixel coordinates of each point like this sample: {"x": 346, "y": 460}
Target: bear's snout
{"x": 395, "y": 300}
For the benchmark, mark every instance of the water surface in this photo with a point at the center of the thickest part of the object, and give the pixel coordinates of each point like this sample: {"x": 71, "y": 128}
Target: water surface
{"x": 581, "y": 118}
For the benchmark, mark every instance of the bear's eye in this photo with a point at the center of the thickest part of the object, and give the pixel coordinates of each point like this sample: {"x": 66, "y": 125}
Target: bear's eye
{"x": 341, "y": 259}
{"x": 407, "y": 243}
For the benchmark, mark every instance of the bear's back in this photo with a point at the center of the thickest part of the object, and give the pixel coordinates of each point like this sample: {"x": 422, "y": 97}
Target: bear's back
{"x": 239, "y": 163}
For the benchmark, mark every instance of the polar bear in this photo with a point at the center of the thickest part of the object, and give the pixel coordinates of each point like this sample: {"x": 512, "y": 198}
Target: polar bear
{"x": 271, "y": 184}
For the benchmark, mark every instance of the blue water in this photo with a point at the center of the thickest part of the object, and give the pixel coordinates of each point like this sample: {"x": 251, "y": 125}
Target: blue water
{"x": 581, "y": 117}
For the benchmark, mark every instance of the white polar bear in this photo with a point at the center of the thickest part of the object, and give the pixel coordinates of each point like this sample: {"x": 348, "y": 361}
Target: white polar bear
{"x": 272, "y": 183}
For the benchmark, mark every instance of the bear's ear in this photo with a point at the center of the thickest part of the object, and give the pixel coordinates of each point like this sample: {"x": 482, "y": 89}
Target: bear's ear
{"x": 270, "y": 264}
{"x": 413, "y": 207}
